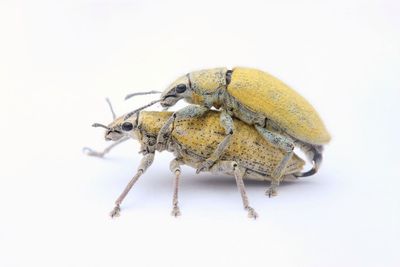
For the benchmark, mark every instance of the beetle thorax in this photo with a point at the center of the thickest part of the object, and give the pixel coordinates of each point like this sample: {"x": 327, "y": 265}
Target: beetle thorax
{"x": 206, "y": 85}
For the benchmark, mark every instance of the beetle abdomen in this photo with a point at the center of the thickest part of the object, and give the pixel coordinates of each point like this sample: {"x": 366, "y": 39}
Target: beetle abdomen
{"x": 268, "y": 96}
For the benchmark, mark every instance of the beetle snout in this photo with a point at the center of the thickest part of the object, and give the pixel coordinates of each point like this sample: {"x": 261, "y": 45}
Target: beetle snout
{"x": 113, "y": 135}
{"x": 169, "y": 100}
{"x": 175, "y": 92}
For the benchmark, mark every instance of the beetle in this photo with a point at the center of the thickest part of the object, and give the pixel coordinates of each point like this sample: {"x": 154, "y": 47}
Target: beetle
{"x": 193, "y": 140}
{"x": 279, "y": 114}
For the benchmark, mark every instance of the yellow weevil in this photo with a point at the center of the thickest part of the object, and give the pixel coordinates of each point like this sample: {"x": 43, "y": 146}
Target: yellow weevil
{"x": 193, "y": 140}
{"x": 279, "y": 114}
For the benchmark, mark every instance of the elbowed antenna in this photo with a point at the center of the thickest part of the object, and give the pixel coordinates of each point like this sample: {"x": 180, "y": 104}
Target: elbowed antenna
{"x": 100, "y": 125}
{"x": 142, "y": 93}
{"x": 127, "y": 116}
{"x": 111, "y": 108}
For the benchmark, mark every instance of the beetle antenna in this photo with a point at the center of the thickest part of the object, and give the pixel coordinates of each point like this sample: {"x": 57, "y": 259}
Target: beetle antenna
{"x": 111, "y": 108}
{"x": 100, "y": 125}
{"x": 127, "y": 116}
{"x": 142, "y": 93}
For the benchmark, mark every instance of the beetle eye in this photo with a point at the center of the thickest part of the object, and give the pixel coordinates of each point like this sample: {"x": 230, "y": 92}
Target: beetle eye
{"x": 180, "y": 88}
{"x": 126, "y": 126}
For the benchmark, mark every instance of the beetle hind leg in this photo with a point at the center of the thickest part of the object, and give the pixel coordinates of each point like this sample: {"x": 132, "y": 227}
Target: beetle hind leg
{"x": 284, "y": 143}
{"x": 176, "y": 169}
{"x": 316, "y": 158}
{"x": 229, "y": 167}
{"x": 146, "y": 161}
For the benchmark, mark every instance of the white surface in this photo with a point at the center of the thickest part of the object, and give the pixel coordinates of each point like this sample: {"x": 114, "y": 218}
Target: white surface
{"x": 59, "y": 60}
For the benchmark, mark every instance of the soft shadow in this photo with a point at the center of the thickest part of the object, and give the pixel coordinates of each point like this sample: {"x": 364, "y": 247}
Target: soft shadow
{"x": 219, "y": 181}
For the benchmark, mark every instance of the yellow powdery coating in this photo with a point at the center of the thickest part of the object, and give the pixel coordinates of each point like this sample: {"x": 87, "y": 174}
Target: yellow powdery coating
{"x": 265, "y": 94}
{"x": 152, "y": 121}
{"x": 208, "y": 81}
{"x": 202, "y": 135}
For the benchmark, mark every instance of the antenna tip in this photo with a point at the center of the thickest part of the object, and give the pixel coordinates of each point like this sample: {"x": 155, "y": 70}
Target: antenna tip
{"x": 142, "y": 93}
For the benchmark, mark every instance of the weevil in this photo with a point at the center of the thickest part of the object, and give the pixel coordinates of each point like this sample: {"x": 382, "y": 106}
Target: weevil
{"x": 279, "y": 114}
{"x": 192, "y": 140}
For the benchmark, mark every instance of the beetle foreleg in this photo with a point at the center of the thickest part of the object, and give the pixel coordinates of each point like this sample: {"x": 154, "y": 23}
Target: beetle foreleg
{"x": 90, "y": 152}
{"x": 190, "y": 111}
{"x": 176, "y": 169}
{"x": 227, "y": 123}
{"x": 146, "y": 161}
{"x": 284, "y": 143}
{"x": 231, "y": 166}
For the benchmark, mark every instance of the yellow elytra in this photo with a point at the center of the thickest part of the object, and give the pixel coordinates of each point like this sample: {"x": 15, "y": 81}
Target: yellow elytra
{"x": 263, "y": 93}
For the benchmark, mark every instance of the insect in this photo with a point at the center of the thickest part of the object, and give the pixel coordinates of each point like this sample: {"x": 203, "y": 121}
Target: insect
{"x": 278, "y": 113}
{"x": 193, "y": 140}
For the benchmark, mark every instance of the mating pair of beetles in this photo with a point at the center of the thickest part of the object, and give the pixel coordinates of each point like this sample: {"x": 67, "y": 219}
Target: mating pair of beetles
{"x": 252, "y": 134}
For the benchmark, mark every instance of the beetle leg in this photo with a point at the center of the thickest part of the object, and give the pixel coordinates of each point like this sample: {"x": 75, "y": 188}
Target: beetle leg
{"x": 90, "y": 152}
{"x": 190, "y": 111}
{"x": 227, "y": 123}
{"x": 176, "y": 169}
{"x": 163, "y": 134}
{"x": 313, "y": 153}
{"x": 284, "y": 143}
{"x": 232, "y": 166}
{"x": 146, "y": 161}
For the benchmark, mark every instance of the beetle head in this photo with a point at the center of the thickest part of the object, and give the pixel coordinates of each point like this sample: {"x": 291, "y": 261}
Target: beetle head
{"x": 128, "y": 126}
{"x": 120, "y": 127}
{"x": 198, "y": 87}
{"x": 176, "y": 91}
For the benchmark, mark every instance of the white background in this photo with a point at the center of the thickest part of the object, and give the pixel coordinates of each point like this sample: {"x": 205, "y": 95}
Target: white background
{"x": 60, "y": 59}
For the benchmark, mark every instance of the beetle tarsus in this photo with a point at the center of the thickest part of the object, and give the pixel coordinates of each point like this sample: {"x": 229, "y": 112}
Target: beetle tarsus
{"x": 176, "y": 211}
{"x": 272, "y": 191}
{"x": 251, "y": 213}
{"x": 115, "y": 212}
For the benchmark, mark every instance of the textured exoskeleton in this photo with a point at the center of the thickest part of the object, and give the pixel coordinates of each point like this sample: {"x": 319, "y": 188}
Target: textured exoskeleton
{"x": 193, "y": 140}
{"x": 279, "y": 114}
